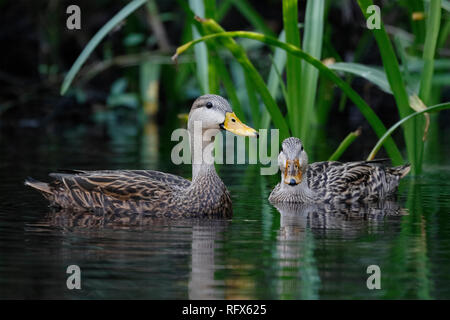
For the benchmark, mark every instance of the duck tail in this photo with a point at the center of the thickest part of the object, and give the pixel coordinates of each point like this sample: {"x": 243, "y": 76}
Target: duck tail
{"x": 400, "y": 171}
{"x": 38, "y": 185}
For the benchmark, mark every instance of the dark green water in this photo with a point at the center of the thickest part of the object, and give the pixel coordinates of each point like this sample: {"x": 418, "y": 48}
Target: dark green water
{"x": 259, "y": 254}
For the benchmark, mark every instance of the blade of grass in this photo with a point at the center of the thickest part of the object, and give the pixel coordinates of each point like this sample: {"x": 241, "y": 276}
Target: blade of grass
{"x": 240, "y": 55}
{"x": 345, "y": 144}
{"x": 372, "y": 74}
{"x": 213, "y": 77}
{"x": 312, "y": 44}
{"x": 432, "y": 32}
{"x": 388, "y": 133}
{"x": 293, "y": 66}
{"x": 417, "y": 25}
{"x": 93, "y": 43}
{"x": 445, "y": 4}
{"x": 392, "y": 69}
{"x": 274, "y": 80}
{"x": 201, "y": 53}
{"x": 368, "y": 113}
{"x": 433, "y": 24}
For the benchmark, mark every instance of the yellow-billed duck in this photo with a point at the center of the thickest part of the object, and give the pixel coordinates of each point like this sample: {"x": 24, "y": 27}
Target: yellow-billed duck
{"x": 332, "y": 181}
{"x": 153, "y": 193}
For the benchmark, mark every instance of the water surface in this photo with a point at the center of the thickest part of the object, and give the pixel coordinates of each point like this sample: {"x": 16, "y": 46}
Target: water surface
{"x": 262, "y": 253}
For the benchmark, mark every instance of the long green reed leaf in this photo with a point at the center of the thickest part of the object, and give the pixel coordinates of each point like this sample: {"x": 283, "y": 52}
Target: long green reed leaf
{"x": 293, "y": 65}
{"x": 201, "y": 52}
{"x": 372, "y": 74}
{"x": 93, "y": 43}
{"x": 388, "y": 133}
{"x": 344, "y": 145}
{"x": 392, "y": 69}
{"x": 368, "y": 113}
{"x": 378, "y": 77}
{"x": 210, "y": 26}
{"x": 213, "y": 77}
{"x": 312, "y": 44}
{"x": 433, "y": 23}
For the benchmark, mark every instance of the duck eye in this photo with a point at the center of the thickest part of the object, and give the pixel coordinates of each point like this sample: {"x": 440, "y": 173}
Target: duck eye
{"x": 209, "y": 105}
{"x": 233, "y": 119}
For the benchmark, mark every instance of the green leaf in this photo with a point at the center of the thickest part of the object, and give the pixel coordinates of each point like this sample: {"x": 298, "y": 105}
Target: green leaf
{"x": 93, "y": 43}
{"x": 344, "y": 145}
{"x": 240, "y": 55}
{"x": 391, "y": 66}
{"x": 293, "y": 65}
{"x": 433, "y": 23}
{"x": 388, "y": 133}
{"x": 201, "y": 52}
{"x": 368, "y": 113}
{"x": 312, "y": 44}
{"x": 213, "y": 77}
{"x": 372, "y": 74}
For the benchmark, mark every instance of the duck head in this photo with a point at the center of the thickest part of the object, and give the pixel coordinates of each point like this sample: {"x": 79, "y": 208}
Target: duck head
{"x": 214, "y": 112}
{"x": 292, "y": 161}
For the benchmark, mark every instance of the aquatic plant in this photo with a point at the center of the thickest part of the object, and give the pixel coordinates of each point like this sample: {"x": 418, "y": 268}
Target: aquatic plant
{"x": 297, "y": 52}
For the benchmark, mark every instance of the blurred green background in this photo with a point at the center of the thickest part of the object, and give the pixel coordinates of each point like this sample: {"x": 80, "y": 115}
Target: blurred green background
{"x": 129, "y": 83}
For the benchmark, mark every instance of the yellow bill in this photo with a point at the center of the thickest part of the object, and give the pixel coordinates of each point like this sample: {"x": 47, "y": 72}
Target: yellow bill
{"x": 234, "y": 125}
{"x": 292, "y": 172}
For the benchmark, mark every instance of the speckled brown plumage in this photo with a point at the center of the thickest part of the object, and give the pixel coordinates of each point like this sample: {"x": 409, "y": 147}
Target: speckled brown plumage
{"x": 145, "y": 192}
{"x": 128, "y": 193}
{"x": 333, "y": 181}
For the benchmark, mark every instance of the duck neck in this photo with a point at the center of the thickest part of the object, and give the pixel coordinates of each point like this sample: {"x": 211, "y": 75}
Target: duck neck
{"x": 202, "y": 146}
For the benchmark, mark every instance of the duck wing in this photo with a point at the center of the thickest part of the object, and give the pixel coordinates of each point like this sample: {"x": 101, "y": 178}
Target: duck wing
{"x": 155, "y": 176}
{"x": 347, "y": 181}
{"x": 100, "y": 189}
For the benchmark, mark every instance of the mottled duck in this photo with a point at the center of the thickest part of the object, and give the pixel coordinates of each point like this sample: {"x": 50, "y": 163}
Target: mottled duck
{"x": 153, "y": 193}
{"x": 332, "y": 181}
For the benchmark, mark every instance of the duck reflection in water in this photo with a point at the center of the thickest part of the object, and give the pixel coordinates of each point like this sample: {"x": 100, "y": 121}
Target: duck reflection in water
{"x": 187, "y": 249}
{"x": 302, "y": 225}
{"x": 337, "y": 216}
